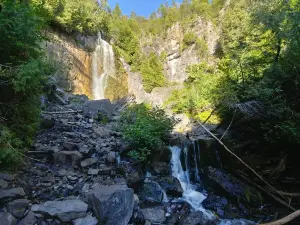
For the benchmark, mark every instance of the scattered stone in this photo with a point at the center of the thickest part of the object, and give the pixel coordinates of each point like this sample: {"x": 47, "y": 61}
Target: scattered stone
{"x": 89, "y": 220}
{"x": 67, "y": 157}
{"x": 85, "y": 188}
{"x": 47, "y": 122}
{"x": 196, "y": 218}
{"x": 18, "y": 207}
{"x": 12, "y": 193}
{"x": 66, "y": 211}
{"x": 154, "y": 215}
{"x": 3, "y": 184}
{"x": 112, "y": 204}
{"x": 93, "y": 171}
{"x": 7, "y": 219}
{"x": 98, "y": 109}
{"x": 215, "y": 203}
{"x": 84, "y": 150}
{"x": 6, "y": 177}
{"x": 88, "y": 162}
{"x": 29, "y": 219}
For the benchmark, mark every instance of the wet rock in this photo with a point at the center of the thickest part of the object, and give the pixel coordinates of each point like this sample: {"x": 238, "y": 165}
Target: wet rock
{"x": 154, "y": 215}
{"x": 171, "y": 185}
{"x": 7, "y": 219}
{"x": 11, "y": 193}
{"x": 93, "y": 171}
{"x": 161, "y": 168}
{"x": 215, "y": 203}
{"x": 112, "y": 204}
{"x": 151, "y": 191}
{"x": 196, "y": 218}
{"x": 67, "y": 157}
{"x": 3, "y": 184}
{"x": 66, "y": 211}
{"x": 30, "y": 219}
{"x": 225, "y": 184}
{"x": 18, "y": 207}
{"x": 88, "y": 162}
{"x": 89, "y": 220}
{"x": 6, "y": 177}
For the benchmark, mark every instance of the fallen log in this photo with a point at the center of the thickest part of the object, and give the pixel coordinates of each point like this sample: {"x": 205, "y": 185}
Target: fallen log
{"x": 285, "y": 220}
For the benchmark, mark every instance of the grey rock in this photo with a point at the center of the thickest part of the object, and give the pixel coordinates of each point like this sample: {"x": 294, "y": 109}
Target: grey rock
{"x": 93, "y": 171}
{"x": 98, "y": 108}
{"x": 84, "y": 150}
{"x": 66, "y": 211}
{"x": 112, "y": 204}
{"x": 171, "y": 185}
{"x": 161, "y": 168}
{"x": 67, "y": 157}
{"x": 7, "y": 219}
{"x": 111, "y": 157}
{"x": 89, "y": 220}
{"x": 47, "y": 122}
{"x": 12, "y": 193}
{"x": 154, "y": 215}
{"x": 88, "y": 162}
{"x": 134, "y": 174}
{"x": 18, "y": 207}
{"x": 6, "y": 177}
{"x": 151, "y": 191}
{"x": 215, "y": 202}
{"x": 196, "y": 218}
{"x": 29, "y": 219}
{"x": 70, "y": 146}
{"x": 3, "y": 184}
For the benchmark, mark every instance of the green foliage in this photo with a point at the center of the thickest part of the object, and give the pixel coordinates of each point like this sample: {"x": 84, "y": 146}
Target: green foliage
{"x": 146, "y": 130}
{"x": 151, "y": 69}
{"x": 23, "y": 73}
{"x": 188, "y": 40}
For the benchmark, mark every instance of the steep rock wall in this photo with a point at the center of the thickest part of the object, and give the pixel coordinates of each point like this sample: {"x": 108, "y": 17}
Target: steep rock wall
{"x": 74, "y": 60}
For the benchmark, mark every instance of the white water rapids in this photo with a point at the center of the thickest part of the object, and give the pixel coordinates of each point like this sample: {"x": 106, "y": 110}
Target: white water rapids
{"x": 103, "y": 66}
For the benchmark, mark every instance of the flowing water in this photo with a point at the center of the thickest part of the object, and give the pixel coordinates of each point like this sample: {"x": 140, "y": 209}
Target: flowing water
{"x": 103, "y": 66}
{"x": 190, "y": 193}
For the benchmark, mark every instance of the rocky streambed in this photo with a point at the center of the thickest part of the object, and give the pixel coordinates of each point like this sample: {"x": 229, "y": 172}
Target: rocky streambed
{"x": 74, "y": 175}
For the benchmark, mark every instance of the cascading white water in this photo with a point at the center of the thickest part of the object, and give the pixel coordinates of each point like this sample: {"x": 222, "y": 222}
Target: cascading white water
{"x": 197, "y": 177}
{"x": 104, "y": 57}
{"x": 190, "y": 195}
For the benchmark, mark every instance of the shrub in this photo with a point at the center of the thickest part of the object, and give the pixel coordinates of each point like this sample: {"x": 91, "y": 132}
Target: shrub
{"x": 145, "y": 129}
{"x": 188, "y": 40}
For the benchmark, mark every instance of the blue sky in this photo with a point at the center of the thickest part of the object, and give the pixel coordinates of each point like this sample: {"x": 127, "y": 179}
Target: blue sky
{"x": 141, "y": 7}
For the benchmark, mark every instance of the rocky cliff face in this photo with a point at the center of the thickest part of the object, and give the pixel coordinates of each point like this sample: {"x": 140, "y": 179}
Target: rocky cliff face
{"x": 74, "y": 61}
{"x": 176, "y": 61}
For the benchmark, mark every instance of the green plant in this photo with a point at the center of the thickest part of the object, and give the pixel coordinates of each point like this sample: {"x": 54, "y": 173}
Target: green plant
{"x": 145, "y": 129}
{"x": 189, "y": 39}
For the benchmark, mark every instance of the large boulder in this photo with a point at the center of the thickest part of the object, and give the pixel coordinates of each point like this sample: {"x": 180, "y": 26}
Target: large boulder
{"x": 29, "y": 219}
{"x": 7, "y": 219}
{"x": 89, "y": 220}
{"x": 133, "y": 174}
{"x": 161, "y": 168}
{"x": 18, "y": 207}
{"x": 151, "y": 191}
{"x": 171, "y": 185}
{"x": 11, "y": 194}
{"x": 98, "y": 109}
{"x": 216, "y": 203}
{"x": 154, "y": 215}
{"x": 66, "y": 211}
{"x": 225, "y": 184}
{"x": 67, "y": 157}
{"x": 113, "y": 205}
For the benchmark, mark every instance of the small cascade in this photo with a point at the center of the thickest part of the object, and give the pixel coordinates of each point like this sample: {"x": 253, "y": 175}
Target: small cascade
{"x": 190, "y": 195}
{"x": 197, "y": 177}
{"x": 103, "y": 66}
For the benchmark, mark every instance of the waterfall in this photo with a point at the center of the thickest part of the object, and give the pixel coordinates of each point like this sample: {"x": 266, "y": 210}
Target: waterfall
{"x": 103, "y": 66}
{"x": 190, "y": 195}
{"x": 197, "y": 177}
